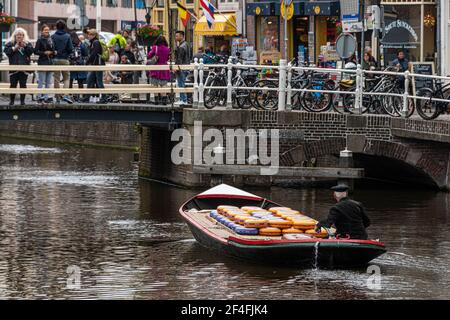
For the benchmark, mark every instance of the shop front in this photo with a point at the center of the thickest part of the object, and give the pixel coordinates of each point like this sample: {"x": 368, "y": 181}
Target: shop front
{"x": 221, "y": 33}
{"x": 412, "y": 28}
{"x": 315, "y": 25}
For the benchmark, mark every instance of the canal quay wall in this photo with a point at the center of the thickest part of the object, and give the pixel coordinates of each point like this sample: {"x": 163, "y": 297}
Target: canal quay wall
{"x": 404, "y": 150}
{"x": 122, "y": 135}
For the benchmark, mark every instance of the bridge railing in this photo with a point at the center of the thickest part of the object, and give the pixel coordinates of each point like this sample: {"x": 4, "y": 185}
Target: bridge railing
{"x": 109, "y": 88}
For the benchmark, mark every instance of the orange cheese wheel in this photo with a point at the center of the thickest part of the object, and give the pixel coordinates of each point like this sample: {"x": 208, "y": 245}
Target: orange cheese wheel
{"x": 280, "y": 224}
{"x": 222, "y": 208}
{"x": 241, "y": 218}
{"x": 304, "y": 224}
{"x": 322, "y": 234}
{"x": 255, "y": 223}
{"x": 275, "y": 209}
{"x": 270, "y": 231}
{"x": 253, "y": 209}
{"x": 292, "y": 230}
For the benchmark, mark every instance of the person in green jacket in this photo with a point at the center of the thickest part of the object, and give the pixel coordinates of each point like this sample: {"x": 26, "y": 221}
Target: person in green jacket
{"x": 118, "y": 42}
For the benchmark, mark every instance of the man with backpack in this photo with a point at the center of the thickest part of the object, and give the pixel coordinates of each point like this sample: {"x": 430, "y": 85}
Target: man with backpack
{"x": 63, "y": 49}
{"x": 98, "y": 54}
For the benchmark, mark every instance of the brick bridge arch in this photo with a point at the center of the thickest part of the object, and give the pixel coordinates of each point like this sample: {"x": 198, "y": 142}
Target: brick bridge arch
{"x": 428, "y": 164}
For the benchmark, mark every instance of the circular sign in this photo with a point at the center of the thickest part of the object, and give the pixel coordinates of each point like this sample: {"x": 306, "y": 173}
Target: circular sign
{"x": 257, "y": 11}
{"x": 290, "y": 11}
{"x": 317, "y": 9}
{"x": 346, "y": 45}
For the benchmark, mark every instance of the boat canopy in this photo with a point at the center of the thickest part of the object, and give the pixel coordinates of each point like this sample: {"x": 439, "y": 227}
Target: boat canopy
{"x": 226, "y": 191}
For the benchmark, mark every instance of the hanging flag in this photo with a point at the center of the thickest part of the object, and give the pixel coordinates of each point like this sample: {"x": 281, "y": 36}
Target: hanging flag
{"x": 184, "y": 14}
{"x": 208, "y": 11}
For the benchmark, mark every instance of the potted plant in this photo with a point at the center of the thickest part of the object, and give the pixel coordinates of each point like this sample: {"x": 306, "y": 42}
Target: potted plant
{"x": 147, "y": 34}
{"x": 6, "y": 21}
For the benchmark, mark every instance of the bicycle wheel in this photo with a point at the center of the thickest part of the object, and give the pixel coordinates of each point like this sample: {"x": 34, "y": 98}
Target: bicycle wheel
{"x": 427, "y": 108}
{"x": 243, "y": 97}
{"x": 342, "y": 103}
{"x": 398, "y": 105}
{"x": 317, "y": 101}
{"x": 392, "y": 103}
{"x": 214, "y": 97}
{"x": 266, "y": 99}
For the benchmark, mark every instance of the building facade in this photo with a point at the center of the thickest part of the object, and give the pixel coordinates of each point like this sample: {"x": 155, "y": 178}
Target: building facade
{"x": 115, "y": 14}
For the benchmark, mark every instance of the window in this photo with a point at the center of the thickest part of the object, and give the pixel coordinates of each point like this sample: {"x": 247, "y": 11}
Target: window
{"x": 127, "y": 3}
{"x": 268, "y": 35}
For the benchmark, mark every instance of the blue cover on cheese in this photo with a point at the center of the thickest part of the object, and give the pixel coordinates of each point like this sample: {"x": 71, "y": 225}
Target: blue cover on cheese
{"x": 246, "y": 231}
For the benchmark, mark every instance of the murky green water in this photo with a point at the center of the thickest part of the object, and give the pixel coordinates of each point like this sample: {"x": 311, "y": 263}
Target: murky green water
{"x": 69, "y": 208}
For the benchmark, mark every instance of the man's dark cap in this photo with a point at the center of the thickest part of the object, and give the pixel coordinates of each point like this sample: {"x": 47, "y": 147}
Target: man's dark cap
{"x": 340, "y": 188}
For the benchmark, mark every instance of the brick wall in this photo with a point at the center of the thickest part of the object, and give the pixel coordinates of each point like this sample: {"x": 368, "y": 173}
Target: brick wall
{"x": 113, "y": 134}
{"x": 313, "y": 139}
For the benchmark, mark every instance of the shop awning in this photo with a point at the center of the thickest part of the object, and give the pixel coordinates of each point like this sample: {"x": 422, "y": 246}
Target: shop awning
{"x": 224, "y": 25}
{"x": 322, "y": 8}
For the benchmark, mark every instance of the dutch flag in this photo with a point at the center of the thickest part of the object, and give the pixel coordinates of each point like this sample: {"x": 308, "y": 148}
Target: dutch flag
{"x": 208, "y": 11}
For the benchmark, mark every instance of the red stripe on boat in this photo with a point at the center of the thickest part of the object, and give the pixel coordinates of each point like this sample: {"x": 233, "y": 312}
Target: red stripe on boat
{"x": 250, "y": 242}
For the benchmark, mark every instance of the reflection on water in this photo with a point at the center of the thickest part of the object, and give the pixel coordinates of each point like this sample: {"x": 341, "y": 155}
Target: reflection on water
{"x": 65, "y": 206}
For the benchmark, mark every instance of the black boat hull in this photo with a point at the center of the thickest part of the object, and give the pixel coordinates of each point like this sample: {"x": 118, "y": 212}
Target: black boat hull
{"x": 334, "y": 254}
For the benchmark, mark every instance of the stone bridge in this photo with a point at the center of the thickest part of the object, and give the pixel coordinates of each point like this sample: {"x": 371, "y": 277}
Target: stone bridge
{"x": 396, "y": 149}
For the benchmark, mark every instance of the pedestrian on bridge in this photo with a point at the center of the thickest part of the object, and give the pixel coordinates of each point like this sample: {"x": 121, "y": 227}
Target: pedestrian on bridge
{"x": 19, "y": 50}
{"x": 95, "y": 78}
{"x": 45, "y": 50}
{"x": 64, "y": 48}
{"x": 78, "y": 58}
{"x": 159, "y": 78}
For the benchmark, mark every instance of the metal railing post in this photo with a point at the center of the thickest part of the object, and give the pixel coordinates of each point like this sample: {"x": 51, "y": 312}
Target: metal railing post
{"x": 201, "y": 89}
{"x": 282, "y": 86}
{"x": 406, "y": 94}
{"x": 195, "y": 95}
{"x": 358, "y": 91}
{"x": 230, "y": 85}
{"x": 289, "y": 87}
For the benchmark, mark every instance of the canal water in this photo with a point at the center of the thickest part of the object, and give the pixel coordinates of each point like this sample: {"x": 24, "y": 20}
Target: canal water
{"x": 77, "y": 223}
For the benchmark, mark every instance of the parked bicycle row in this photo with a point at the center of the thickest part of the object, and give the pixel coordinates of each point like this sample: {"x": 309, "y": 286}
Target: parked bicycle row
{"x": 314, "y": 90}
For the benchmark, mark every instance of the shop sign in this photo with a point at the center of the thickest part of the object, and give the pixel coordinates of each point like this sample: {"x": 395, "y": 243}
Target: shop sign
{"x": 402, "y": 25}
{"x": 290, "y": 11}
{"x": 352, "y": 26}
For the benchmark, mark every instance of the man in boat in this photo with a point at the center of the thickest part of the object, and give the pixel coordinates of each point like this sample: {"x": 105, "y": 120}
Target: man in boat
{"x": 347, "y": 216}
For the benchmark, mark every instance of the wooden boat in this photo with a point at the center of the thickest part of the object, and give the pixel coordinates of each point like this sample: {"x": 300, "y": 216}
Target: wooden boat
{"x": 278, "y": 250}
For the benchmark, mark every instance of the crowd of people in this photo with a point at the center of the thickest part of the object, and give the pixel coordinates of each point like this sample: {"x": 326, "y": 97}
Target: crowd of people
{"x": 64, "y": 48}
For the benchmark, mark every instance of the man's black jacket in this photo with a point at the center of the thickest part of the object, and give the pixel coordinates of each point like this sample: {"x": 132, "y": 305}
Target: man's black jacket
{"x": 349, "y": 218}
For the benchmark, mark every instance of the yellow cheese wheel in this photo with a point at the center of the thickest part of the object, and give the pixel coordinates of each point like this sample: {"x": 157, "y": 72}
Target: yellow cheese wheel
{"x": 241, "y": 218}
{"x": 223, "y": 207}
{"x": 292, "y": 230}
{"x": 322, "y": 234}
{"x": 280, "y": 224}
{"x": 270, "y": 231}
{"x": 255, "y": 223}
{"x": 275, "y": 209}
{"x": 304, "y": 224}
{"x": 253, "y": 209}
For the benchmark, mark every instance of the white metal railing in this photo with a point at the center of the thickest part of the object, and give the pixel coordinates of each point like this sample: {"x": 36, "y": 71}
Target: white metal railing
{"x": 285, "y": 89}
{"x": 283, "y": 82}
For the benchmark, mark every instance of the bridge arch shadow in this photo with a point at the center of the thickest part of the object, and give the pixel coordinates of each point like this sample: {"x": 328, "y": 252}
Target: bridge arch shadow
{"x": 399, "y": 162}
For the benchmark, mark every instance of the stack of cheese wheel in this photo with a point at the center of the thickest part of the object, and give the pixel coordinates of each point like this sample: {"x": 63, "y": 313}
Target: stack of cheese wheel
{"x": 227, "y": 217}
{"x": 322, "y": 234}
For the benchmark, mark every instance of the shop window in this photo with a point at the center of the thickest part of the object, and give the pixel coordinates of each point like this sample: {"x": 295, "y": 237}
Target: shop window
{"x": 269, "y": 33}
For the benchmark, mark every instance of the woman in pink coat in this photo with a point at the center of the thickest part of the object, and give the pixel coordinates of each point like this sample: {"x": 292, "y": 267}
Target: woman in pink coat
{"x": 161, "y": 77}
